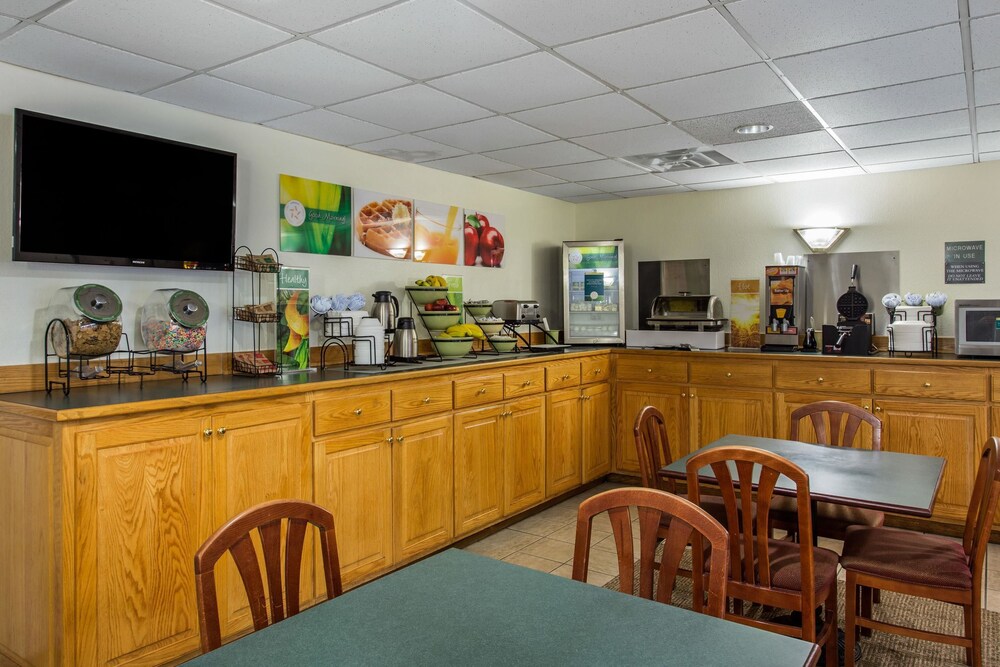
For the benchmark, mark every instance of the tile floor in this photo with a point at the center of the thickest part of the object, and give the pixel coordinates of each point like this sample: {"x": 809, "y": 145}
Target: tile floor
{"x": 544, "y": 542}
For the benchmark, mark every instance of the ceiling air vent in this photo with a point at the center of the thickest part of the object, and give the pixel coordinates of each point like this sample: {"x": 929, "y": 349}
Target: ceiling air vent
{"x": 678, "y": 160}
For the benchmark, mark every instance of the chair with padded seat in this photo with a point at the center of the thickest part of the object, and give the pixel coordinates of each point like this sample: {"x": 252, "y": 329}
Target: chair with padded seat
{"x": 690, "y": 526}
{"x": 278, "y": 529}
{"x": 927, "y": 566}
{"x": 838, "y": 424}
{"x": 775, "y": 574}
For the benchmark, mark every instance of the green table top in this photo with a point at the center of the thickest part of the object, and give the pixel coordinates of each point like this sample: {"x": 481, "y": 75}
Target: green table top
{"x": 887, "y": 481}
{"x": 459, "y": 608}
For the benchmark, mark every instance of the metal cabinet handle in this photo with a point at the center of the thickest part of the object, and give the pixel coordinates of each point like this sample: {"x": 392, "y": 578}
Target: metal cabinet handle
{"x": 868, "y": 407}
{"x": 207, "y": 432}
{"x": 221, "y": 430}
{"x": 389, "y": 439}
{"x": 526, "y": 383}
{"x": 482, "y": 390}
{"x": 877, "y": 409}
{"x": 597, "y": 371}
{"x": 649, "y": 370}
{"x": 729, "y": 375}
{"x": 357, "y": 411}
{"x": 565, "y": 377}
{"x": 927, "y": 385}
{"x": 399, "y": 438}
{"x": 684, "y": 394}
{"x": 427, "y": 399}
{"x": 820, "y": 380}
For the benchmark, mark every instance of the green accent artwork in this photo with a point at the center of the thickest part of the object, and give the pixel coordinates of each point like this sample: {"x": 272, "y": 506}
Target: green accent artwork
{"x": 314, "y": 217}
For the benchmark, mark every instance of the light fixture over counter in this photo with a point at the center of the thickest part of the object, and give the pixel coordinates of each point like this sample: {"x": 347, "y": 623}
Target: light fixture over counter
{"x": 821, "y": 239}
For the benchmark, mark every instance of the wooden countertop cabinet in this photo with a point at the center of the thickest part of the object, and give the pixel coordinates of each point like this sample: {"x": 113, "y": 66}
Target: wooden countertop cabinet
{"x": 953, "y": 385}
{"x": 478, "y": 389}
{"x": 523, "y": 382}
{"x": 594, "y": 369}
{"x": 344, "y": 409}
{"x": 819, "y": 376}
{"x": 734, "y": 373}
{"x": 641, "y": 368}
{"x": 562, "y": 375}
{"x": 416, "y": 399}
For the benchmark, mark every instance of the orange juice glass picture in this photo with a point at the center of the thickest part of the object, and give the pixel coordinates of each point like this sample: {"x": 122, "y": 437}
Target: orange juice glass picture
{"x": 436, "y": 233}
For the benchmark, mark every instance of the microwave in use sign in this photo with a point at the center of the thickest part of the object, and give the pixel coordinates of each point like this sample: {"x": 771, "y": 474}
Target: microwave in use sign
{"x": 964, "y": 262}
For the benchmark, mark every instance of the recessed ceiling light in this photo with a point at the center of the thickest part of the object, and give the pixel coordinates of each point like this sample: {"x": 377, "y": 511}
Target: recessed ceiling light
{"x": 760, "y": 128}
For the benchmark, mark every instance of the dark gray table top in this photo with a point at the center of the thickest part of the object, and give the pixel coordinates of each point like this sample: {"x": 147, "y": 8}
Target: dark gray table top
{"x": 887, "y": 481}
{"x": 459, "y": 608}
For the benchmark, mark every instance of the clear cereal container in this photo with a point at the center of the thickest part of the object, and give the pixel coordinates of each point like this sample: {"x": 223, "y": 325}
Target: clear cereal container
{"x": 173, "y": 320}
{"x": 87, "y": 319}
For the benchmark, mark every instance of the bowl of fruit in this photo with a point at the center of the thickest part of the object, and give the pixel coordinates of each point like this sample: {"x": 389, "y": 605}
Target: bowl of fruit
{"x": 503, "y": 343}
{"x": 452, "y": 346}
{"x": 480, "y": 308}
{"x": 439, "y": 320}
{"x": 490, "y": 325}
{"x": 428, "y": 290}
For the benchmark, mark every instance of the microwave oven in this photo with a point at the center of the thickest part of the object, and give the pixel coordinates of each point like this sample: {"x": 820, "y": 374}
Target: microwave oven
{"x": 977, "y": 327}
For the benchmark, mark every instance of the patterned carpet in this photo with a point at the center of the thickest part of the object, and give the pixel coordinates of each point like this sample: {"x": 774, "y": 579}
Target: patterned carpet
{"x": 882, "y": 649}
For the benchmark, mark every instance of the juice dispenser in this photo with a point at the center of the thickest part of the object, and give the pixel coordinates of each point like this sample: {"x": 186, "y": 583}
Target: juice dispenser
{"x": 784, "y": 308}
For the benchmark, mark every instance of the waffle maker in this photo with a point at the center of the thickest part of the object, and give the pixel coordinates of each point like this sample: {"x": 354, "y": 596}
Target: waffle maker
{"x": 852, "y": 335}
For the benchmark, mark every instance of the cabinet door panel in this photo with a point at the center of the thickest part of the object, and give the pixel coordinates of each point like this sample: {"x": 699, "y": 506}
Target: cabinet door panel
{"x": 562, "y": 441}
{"x": 422, "y": 480}
{"x": 719, "y": 412}
{"x": 524, "y": 454}
{"x": 139, "y": 511}
{"x": 671, "y": 400}
{"x": 954, "y": 431}
{"x": 478, "y": 468}
{"x": 596, "y": 431}
{"x": 354, "y": 482}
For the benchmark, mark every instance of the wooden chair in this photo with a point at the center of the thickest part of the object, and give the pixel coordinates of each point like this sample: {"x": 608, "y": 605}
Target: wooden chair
{"x": 777, "y": 574}
{"x": 927, "y": 566}
{"x": 835, "y": 423}
{"x": 267, "y": 521}
{"x": 689, "y": 525}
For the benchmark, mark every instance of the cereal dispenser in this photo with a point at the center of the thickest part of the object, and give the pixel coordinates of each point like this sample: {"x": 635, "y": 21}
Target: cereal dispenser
{"x": 86, "y": 321}
{"x": 173, "y": 320}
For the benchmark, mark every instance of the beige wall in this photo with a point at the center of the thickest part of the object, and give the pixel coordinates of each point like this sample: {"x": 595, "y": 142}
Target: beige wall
{"x": 739, "y": 230}
{"x": 534, "y": 225}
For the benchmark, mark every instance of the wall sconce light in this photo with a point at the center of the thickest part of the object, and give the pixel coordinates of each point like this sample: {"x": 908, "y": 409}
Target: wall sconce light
{"x": 821, "y": 239}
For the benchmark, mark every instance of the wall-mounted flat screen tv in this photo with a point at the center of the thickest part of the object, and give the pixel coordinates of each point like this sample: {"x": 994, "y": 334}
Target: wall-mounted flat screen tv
{"x": 87, "y": 194}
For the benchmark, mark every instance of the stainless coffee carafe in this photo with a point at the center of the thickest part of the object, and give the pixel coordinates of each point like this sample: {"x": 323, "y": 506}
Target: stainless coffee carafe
{"x": 386, "y": 309}
{"x": 405, "y": 342}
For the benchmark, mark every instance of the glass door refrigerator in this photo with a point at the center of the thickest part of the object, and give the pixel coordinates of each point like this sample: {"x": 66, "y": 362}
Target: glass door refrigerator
{"x": 593, "y": 292}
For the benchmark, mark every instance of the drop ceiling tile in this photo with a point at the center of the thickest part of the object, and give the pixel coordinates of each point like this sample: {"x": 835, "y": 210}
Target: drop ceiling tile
{"x": 919, "y": 164}
{"x": 222, "y": 98}
{"x": 26, "y": 8}
{"x": 189, "y": 33}
{"x": 989, "y": 142}
{"x": 332, "y": 77}
{"x": 584, "y": 199}
{"x": 448, "y": 36}
{"x": 784, "y": 27}
{"x": 789, "y": 118}
{"x": 908, "y": 99}
{"x": 776, "y": 147}
{"x": 549, "y": 154}
{"x": 917, "y": 55}
{"x": 802, "y": 163}
{"x": 818, "y": 175}
{"x": 651, "y": 192}
{"x": 57, "y": 53}
{"x": 643, "y": 181}
{"x": 589, "y": 116}
{"x": 592, "y": 170}
{"x": 987, "y": 84}
{"x": 305, "y": 15}
{"x": 534, "y": 80}
{"x": 685, "y": 46}
{"x": 988, "y": 118}
{"x": 412, "y": 108}
{"x": 915, "y": 150}
{"x": 707, "y": 174}
{"x": 918, "y": 128}
{"x": 560, "y": 22}
{"x": 746, "y": 87}
{"x": 658, "y": 138}
{"x": 735, "y": 183}
{"x": 469, "y": 165}
{"x": 332, "y": 127}
{"x": 985, "y": 41}
{"x": 408, "y": 148}
{"x": 6, "y": 23}
{"x": 980, "y": 7}
{"x": 562, "y": 190}
{"x": 525, "y": 178}
{"x": 487, "y": 134}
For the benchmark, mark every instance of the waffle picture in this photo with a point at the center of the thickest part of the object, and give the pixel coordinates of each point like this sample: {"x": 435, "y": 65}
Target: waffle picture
{"x": 386, "y": 227}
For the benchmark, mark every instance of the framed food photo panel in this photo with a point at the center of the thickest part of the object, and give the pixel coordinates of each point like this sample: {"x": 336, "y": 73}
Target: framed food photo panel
{"x": 314, "y": 217}
{"x": 483, "y": 242}
{"x": 437, "y": 233}
{"x": 383, "y": 225}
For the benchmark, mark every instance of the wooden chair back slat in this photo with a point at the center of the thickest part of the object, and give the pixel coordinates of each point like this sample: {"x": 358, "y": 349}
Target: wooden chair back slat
{"x": 652, "y": 446}
{"x": 836, "y": 412}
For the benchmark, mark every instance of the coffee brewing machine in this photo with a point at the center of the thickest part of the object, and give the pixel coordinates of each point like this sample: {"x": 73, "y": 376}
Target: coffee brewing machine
{"x": 784, "y": 308}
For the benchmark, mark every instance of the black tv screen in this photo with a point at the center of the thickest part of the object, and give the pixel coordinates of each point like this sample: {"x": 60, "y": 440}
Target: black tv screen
{"x": 87, "y": 194}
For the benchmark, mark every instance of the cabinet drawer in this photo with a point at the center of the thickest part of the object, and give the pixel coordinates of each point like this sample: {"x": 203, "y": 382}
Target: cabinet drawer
{"x": 594, "y": 370}
{"x": 955, "y": 385}
{"x": 996, "y": 387}
{"x": 825, "y": 377}
{"x": 478, "y": 389}
{"x": 559, "y": 376}
{"x": 736, "y": 373}
{"x": 650, "y": 368}
{"x": 342, "y": 410}
{"x": 523, "y": 382}
{"x": 415, "y": 399}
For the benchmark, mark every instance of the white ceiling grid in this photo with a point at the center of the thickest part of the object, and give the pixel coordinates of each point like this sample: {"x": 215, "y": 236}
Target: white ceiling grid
{"x": 549, "y": 97}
